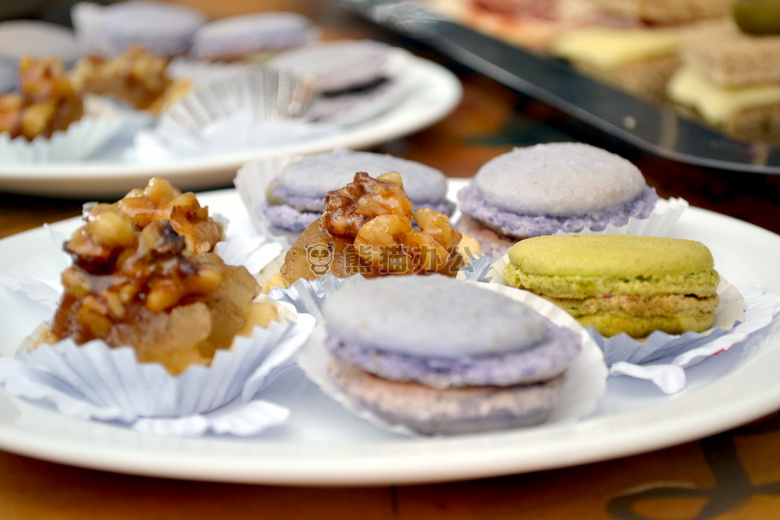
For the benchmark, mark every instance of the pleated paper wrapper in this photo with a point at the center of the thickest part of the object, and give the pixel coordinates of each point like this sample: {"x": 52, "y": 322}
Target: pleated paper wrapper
{"x": 82, "y": 139}
{"x": 740, "y": 313}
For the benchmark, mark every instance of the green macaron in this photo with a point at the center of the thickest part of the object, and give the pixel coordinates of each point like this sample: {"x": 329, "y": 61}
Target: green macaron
{"x": 620, "y": 283}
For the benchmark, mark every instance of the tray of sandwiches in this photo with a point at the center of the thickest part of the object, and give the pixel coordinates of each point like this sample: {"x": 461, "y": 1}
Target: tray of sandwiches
{"x": 694, "y": 81}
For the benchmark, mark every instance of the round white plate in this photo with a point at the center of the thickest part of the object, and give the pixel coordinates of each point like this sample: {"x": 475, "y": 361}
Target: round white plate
{"x": 324, "y": 445}
{"x": 434, "y": 93}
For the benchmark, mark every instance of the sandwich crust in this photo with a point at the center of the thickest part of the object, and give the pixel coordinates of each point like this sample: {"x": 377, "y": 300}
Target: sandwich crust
{"x": 665, "y": 11}
{"x": 730, "y": 57}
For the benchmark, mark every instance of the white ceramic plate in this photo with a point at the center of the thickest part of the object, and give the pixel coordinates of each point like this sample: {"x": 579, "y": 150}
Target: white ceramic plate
{"x": 324, "y": 445}
{"x": 435, "y": 92}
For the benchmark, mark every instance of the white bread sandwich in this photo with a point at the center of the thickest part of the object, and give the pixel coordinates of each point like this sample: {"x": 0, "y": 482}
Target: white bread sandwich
{"x": 730, "y": 79}
{"x": 634, "y": 44}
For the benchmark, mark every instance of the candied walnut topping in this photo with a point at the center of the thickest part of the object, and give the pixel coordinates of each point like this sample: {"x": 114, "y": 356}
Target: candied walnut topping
{"x": 160, "y": 200}
{"x": 45, "y": 103}
{"x": 347, "y": 209}
{"x": 140, "y": 279}
{"x": 367, "y": 228}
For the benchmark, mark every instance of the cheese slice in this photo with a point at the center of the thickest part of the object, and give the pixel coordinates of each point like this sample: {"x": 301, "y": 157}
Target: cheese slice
{"x": 716, "y": 103}
{"x": 610, "y": 47}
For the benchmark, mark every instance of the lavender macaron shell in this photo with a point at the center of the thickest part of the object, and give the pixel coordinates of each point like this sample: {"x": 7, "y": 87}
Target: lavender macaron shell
{"x": 558, "y": 179}
{"x": 287, "y": 217}
{"x": 431, "y": 316}
{"x": 528, "y": 225}
{"x": 452, "y": 411}
{"x": 543, "y": 361}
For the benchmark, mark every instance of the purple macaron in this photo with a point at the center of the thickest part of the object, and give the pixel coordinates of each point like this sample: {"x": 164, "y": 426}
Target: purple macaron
{"x": 355, "y": 79}
{"x": 550, "y": 188}
{"x": 240, "y": 35}
{"x": 159, "y": 27}
{"x": 444, "y": 356}
{"x": 297, "y": 196}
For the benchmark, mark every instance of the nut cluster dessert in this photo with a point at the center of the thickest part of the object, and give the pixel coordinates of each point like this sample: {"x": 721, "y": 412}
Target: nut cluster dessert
{"x": 145, "y": 274}
{"x": 137, "y": 77}
{"x": 45, "y": 102}
{"x": 50, "y": 98}
{"x": 367, "y": 228}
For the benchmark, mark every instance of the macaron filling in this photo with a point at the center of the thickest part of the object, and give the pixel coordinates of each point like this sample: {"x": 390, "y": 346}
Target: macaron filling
{"x": 526, "y": 224}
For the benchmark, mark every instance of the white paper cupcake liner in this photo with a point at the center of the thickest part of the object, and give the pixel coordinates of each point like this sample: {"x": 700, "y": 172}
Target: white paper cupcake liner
{"x": 307, "y": 296}
{"x": 251, "y": 182}
{"x": 99, "y": 382}
{"x": 668, "y": 371}
{"x": 94, "y": 381}
{"x": 584, "y": 383}
{"x": 267, "y": 94}
{"x": 82, "y": 139}
{"x": 740, "y": 313}
{"x": 241, "y": 113}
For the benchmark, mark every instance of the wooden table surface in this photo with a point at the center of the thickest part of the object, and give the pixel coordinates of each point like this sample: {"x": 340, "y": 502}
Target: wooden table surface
{"x": 732, "y": 475}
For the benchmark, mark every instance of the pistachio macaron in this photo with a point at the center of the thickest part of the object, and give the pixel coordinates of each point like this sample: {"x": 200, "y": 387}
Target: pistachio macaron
{"x": 620, "y": 283}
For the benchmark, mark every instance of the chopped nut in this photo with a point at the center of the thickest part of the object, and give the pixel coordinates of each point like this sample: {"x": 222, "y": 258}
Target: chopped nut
{"x": 144, "y": 275}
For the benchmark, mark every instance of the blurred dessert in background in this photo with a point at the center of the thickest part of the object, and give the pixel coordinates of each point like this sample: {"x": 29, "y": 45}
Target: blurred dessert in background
{"x": 253, "y": 37}
{"x": 634, "y": 44}
{"x": 45, "y": 102}
{"x": 36, "y": 39}
{"x": 730, "y": 78}
{"x": 137, "y": 77}
{"x": 531, "y": 24}
{"x": 163, "y": 28}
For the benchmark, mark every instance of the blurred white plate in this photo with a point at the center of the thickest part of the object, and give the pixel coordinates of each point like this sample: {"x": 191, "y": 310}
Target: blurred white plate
{"x": 322, "y": 444}
{"x": 434, "y": 93}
